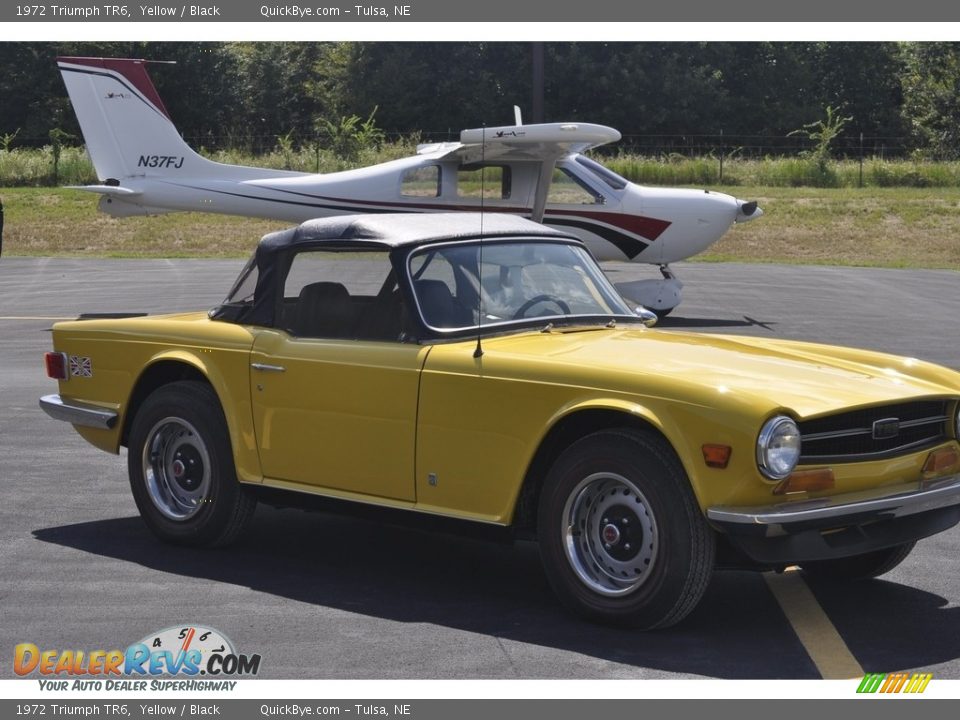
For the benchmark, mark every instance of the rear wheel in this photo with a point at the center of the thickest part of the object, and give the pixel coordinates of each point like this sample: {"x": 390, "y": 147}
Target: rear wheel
{"x": 859, "y": 567}
{"x": 621, "y": 536}
{"x": 181, "y": 468}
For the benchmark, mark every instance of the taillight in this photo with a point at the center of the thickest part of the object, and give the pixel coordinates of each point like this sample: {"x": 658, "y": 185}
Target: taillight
{"x": 57, "y": 367}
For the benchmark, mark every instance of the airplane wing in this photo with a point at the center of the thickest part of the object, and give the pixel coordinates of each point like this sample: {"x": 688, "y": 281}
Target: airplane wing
{"x": 537, "y": 143}
{"x": 543, "y": 143}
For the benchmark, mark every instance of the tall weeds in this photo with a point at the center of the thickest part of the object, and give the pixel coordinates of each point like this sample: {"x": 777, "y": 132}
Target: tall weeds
{"x": 29, "y": 167}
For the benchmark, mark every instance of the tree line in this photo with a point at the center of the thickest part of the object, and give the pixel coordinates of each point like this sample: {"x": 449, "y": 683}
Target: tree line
{"x": 223, "y": 94}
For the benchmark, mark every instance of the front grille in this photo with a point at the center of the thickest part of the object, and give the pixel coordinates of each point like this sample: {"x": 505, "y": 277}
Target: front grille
{"x": 853, "y": 436}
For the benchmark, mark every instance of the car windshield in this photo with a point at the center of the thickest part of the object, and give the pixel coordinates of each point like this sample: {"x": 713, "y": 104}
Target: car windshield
{"x": 518, "y": 282}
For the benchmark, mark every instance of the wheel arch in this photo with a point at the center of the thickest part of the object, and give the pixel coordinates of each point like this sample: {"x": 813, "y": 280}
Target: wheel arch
{"x": 161, "y": 371}
{"x": 566, "y": 428}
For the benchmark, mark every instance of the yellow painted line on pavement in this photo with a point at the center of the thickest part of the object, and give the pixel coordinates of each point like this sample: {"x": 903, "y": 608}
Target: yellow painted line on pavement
{"x": 817, "y": 634}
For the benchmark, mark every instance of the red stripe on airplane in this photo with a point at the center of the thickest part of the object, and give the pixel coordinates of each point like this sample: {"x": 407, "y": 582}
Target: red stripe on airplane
{"x": 134, "y": 71}
{"x": 646, "y": 227}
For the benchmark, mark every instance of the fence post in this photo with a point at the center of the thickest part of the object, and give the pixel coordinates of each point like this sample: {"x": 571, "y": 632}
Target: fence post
{"x": 721, "y": 156}
{"x": 861, "y": 159}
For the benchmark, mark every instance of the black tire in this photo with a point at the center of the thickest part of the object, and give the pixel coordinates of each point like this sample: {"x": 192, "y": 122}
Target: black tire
{"x": 859, "y": 567}
{"x": 181, "y": 468}
{"x": 628, "y": 488}
{"x": 662, "y": 313}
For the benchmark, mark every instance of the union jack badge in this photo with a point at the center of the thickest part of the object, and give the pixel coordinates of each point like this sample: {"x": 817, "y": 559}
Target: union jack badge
{"x": 80, "y": 366}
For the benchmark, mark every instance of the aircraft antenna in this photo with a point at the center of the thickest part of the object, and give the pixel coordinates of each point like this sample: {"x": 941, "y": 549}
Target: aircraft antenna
{"x": 478, "y": 351}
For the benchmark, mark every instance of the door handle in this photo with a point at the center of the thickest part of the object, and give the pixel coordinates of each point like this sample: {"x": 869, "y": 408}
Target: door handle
{"x": 268, "y": 368}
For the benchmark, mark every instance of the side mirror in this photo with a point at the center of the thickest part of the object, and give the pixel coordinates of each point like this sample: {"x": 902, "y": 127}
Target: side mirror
{"x": 647, "y": 317}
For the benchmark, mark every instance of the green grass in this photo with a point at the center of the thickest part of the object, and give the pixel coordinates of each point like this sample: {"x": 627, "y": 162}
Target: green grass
{"x": 57, "y": 221}
{"x": 786, "y": 172}
{"x": 881, "y": 227}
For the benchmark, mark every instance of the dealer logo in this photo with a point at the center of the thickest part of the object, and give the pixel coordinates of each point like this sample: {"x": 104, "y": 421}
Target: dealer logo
{"x": 179, "y": 650}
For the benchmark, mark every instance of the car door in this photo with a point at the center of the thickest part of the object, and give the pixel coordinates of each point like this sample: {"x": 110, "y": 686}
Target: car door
{"x": 334, "y": 388}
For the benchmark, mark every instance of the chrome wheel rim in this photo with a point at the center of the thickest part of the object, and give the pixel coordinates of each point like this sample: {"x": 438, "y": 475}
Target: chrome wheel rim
{"x": 176, "y": 469}
{"x": 609, "y": 534}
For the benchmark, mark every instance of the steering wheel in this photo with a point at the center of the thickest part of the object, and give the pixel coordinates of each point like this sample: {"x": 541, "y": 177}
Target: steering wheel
{"x": 522, "y": 310}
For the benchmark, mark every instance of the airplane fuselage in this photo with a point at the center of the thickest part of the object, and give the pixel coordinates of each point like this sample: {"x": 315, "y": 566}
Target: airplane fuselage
{"x": 631, "y": 222}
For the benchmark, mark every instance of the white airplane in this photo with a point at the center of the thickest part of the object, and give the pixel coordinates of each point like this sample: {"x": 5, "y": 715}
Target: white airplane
{"x": 538, "y": 171}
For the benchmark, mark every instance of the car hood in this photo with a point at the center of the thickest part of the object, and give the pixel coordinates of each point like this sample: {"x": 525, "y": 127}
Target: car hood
{"x": 808, "y": 378}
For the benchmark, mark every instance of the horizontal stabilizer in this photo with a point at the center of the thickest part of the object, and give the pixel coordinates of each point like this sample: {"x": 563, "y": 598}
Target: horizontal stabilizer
{"x": 107, "y": 190}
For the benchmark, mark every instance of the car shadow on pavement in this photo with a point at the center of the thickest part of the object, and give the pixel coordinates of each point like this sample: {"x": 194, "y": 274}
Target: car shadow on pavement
{"x": 409, "y": 576}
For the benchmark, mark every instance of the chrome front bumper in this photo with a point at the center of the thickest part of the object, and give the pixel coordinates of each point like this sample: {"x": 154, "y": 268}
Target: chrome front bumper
{"x": 78, "y": 413}
{"x": 840, "y": 510}
{"x": 842, "y": 525}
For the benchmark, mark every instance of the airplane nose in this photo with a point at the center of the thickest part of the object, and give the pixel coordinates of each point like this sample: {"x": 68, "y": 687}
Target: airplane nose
{"x": 747, "y": 211}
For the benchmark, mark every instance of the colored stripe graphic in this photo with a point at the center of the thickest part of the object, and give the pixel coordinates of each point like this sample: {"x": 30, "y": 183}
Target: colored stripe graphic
{"x": 894, "y": 683}
{"x": 871, "y": 682}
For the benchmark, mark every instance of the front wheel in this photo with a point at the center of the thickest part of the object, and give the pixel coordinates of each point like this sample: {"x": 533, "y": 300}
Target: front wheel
{"x": 621, "y": 536}
{"x": 181, "y": 468}
{"x": 859, "y": 567}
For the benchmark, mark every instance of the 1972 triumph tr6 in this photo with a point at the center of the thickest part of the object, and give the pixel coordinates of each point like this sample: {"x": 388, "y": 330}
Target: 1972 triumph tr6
{"x": 483, "y": 369}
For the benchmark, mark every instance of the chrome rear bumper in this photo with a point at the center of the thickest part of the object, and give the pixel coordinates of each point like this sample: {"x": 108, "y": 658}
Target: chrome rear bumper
{"x": 78, "y": 413}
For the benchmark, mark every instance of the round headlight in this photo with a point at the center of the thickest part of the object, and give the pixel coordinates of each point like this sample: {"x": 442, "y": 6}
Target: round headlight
{"x": 778, "y": 447}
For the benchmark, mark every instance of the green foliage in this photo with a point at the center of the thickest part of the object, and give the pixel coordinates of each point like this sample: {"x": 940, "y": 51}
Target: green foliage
{"x": 285, "y": 147}
{"x": 29, "y": 167}
{"x": 7, "y": 139}
{"x": 57, "y": 138}
{"x": 350, "y": 135}
{"x": 243, "y": 95}
{"x": 25, "y": 167}
{"x": 931, "y": 98}
{"x": 822, "y": 133}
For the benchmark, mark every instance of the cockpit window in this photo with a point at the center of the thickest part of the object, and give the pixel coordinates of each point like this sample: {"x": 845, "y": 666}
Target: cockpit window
{"x": 493, "y": 182}
{"x": 421, "y": 182}
{"x": 567, "y": 189}
{"x": 606, "y": 174}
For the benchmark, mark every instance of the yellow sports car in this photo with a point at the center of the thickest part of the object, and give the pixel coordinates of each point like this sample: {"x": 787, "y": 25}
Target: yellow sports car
{"x": 480, "y": 370}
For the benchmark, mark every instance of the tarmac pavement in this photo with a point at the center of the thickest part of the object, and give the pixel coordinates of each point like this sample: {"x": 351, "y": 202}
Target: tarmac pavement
{"x": 322, "y": 596}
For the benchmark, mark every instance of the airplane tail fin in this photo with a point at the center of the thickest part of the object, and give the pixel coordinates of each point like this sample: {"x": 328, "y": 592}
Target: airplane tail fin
{"x": 126, "y": 127}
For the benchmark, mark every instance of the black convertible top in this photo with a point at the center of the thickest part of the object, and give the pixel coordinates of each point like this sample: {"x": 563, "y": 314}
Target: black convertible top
{"x": 387, "y": 230}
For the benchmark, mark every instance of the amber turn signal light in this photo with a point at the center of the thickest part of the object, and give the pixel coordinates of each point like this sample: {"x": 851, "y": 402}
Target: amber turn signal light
{"x": 716, "y": 456}
{"x": 941, "y": 461}
{"x": 806, "y": 481}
